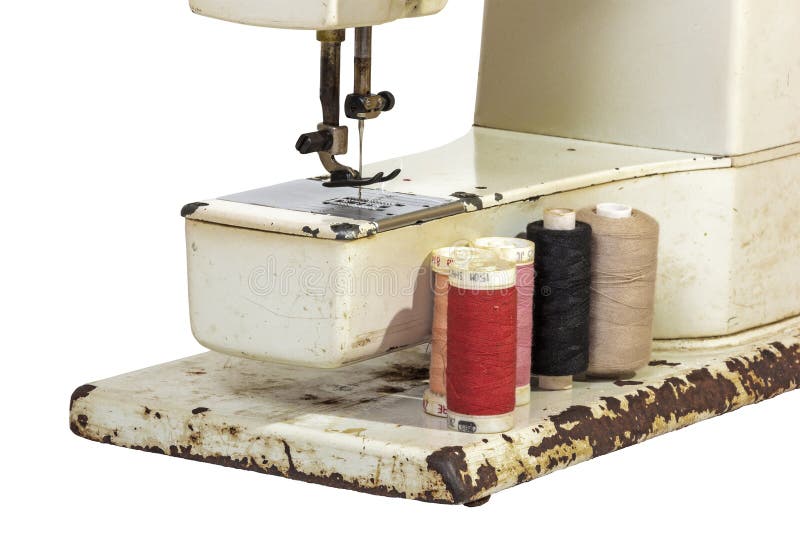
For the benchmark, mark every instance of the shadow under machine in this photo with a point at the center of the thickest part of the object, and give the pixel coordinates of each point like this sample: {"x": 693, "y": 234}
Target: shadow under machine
{"x": 688, "y": 109}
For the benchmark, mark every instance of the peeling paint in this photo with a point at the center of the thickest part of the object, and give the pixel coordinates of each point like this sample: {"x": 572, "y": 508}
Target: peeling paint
{"x": 664, "y": 363}
{"x": 189, "y": 209}
{"x": 471, "y": 201}
{"x": 309, "y": 231}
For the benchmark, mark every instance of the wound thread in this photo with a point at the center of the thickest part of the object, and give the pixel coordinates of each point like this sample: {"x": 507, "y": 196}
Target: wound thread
{"x": 521, "y": 253}
{"x": 624, "y": 264}
{"x": 561, "y": 299}
{"x": 439, "y": 334}
{"x": 525, "y": 289}
{"x": 434, "y": 399}
{"x": 481, "y": 345}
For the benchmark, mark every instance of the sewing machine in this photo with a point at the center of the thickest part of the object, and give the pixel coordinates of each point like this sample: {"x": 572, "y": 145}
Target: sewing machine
{"x": 689, "y": 110}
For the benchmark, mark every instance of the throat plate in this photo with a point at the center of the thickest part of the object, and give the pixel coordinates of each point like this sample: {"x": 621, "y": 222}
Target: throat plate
{"x": 388, "y": 210}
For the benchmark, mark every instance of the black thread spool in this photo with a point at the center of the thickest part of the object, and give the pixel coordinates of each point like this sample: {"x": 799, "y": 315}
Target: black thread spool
{"x": 561, "y": 300}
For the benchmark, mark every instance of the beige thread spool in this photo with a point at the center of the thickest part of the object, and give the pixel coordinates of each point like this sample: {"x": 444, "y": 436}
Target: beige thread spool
{"x": 624, "y": 264}
{"x": 434, "y": 400}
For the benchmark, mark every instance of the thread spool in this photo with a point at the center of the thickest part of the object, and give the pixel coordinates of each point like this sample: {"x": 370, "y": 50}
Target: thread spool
{"x": 624, "y": 264}
{"x": 561, "y": 299}
{"x": 521, "y": 253}
{"x": 481, "y": 346}
{"x": 434, "y": 399}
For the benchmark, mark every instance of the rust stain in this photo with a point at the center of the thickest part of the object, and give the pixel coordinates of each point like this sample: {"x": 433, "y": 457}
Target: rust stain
{"x": 623, "y": 383}
{"x": 662, "y": 363}
{"x": 264, "y": 466}
{"x": 335, "y": 480}
{"x": 404, "y": 373}
{"x": 390, "y": 389}
{"x": 79, "y": 422}
{"x": 80, "y": 392}
{"x": 582, "y": 433}
{"x": 361, "y": 342}
{"x": 451, "y": 465}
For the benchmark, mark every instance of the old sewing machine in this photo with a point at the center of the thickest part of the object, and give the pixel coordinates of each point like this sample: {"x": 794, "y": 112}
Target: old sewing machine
{"x": 314, "y": 295}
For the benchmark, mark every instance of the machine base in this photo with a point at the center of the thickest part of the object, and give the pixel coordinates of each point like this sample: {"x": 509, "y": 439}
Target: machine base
{"x": 363, "y": 427}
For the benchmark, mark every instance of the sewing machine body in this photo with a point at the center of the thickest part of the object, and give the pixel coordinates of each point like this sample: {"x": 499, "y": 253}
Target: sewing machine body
{"x": 718, "y": 98}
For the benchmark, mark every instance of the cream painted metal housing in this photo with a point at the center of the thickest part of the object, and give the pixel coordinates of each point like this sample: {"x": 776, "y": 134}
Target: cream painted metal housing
{"x": 262, "y": 287}
{"x": 712, "y": 76}
{"x": 315, "y": 14}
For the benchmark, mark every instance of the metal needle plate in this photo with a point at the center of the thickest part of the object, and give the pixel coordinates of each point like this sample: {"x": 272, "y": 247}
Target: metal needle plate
{"x": 388, "y": 210}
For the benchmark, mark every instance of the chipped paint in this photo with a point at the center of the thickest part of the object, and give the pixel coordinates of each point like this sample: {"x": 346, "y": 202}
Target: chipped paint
{"x": 350, "y": 231}
{"x": 307, "y": 230}
{"x": 368, "y": 433}
{"x": 191, "y": 208}
{"x": 472, "y": 202}
{"x": 80, "y": 392}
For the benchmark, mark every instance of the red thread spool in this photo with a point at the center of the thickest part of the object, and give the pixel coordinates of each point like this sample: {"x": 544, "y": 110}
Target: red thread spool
{"x": 434, "y": 399}
{"x": 482, "y": 346}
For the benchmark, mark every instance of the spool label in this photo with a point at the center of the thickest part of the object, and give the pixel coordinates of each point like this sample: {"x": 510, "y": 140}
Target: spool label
{"x": 523, "y": 256}
{"x": 443, "y": 258}
{"x": 515, "y": 250}
{"x": 466, "y": 279}
{"x": 434, "y": 405}
{"x": 467, "y": 427}
{"x": 477, "y": 424}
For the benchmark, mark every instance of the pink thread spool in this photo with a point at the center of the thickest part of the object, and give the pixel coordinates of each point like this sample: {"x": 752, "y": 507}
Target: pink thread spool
{"x": 521, "y": 252}
{"x": 434, "y": 399}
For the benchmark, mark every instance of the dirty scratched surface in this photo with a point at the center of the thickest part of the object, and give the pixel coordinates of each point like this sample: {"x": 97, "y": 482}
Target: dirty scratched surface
{"x": 362, "y": 427}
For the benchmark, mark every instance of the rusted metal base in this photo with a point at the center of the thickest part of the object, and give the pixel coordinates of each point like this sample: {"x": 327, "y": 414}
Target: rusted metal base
{"x": 363, "y": 428}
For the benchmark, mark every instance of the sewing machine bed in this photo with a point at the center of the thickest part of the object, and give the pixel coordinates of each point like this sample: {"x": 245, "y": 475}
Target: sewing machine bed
{"x": 363, "y": 428}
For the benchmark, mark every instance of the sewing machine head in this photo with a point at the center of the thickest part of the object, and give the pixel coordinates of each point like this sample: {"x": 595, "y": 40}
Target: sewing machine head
{"x": 330, "y": 20}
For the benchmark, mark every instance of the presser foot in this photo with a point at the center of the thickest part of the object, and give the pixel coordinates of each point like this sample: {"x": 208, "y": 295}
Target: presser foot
{"x": 348, "y": 179}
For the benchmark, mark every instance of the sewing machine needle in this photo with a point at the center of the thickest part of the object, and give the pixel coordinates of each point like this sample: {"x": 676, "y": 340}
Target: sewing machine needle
{"x": 360, "y": 152}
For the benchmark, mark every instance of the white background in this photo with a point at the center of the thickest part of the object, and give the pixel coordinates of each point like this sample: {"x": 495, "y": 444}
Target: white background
{"x": 115, "y": 114}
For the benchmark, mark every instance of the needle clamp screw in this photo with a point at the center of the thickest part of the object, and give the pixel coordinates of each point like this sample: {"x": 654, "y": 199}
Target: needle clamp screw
{"x": 368, "y": 106}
